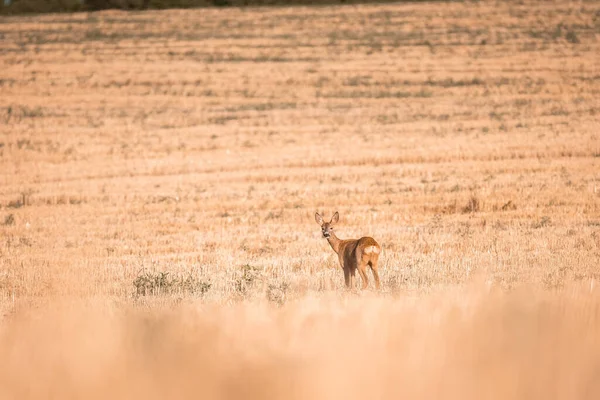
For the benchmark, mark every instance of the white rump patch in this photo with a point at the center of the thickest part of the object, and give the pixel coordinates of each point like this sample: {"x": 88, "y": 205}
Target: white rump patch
{"x": 371, "y": 249}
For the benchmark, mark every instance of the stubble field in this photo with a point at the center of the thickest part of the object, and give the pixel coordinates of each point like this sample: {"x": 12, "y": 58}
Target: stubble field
{"x": 160, "y": 171}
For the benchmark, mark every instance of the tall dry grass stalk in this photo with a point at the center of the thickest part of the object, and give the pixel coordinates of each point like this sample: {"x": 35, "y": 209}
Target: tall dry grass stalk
{"x": 470, "y": 343}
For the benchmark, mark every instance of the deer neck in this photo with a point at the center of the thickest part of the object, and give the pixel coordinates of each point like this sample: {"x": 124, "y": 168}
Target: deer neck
{"x": 334, "y": 242}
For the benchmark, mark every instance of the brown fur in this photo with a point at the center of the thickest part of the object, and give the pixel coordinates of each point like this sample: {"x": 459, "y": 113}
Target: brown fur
{"x": 353, "y": 254}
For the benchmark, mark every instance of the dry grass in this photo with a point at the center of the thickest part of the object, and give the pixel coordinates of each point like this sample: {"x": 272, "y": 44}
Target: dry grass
{"x": 462, "y": 344}
{"x": 159, "y": 173}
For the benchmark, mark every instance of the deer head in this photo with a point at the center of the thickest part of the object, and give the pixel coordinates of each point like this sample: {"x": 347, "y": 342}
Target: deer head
{"x": 327, "y": 227}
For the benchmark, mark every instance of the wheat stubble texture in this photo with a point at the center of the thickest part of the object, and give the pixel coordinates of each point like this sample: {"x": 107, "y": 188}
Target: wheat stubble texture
{"x": 160, "y": 171}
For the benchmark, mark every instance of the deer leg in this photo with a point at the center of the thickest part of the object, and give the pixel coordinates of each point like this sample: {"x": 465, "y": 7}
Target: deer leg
{"x": 362, "y": 270}
{"x": 347, "y": 279}
{"x": 373, "y": 265}
{"x": 352, "y": 275}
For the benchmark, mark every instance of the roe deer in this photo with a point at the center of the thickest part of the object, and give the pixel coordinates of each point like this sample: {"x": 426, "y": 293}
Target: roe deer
{"x": 353, "y": 254}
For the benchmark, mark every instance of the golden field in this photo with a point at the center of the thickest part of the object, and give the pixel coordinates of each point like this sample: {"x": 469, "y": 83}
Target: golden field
{"x": 160, "y": 171}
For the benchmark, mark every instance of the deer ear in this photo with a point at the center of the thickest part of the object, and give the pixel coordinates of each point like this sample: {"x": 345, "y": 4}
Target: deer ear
{"x": 319, "y": 219}
{"x": 335, "y": 218}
